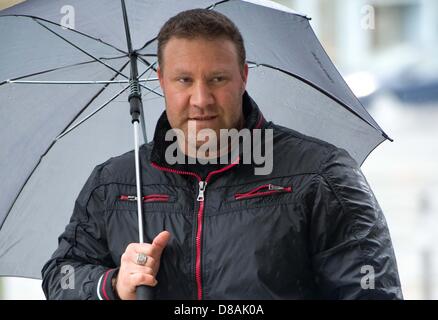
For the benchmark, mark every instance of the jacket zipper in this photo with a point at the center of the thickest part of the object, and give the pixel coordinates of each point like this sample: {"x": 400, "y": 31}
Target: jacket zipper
{"x": 257, "y": 192}
{"x": 202, "y": 184}
{"x": 148, "y": 198}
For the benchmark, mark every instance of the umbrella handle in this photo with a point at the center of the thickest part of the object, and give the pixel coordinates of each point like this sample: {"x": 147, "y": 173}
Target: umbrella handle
{"x": 145, "y": 293}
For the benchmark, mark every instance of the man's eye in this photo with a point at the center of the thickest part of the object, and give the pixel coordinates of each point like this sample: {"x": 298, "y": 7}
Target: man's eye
{"x": 218, "y": 79}
{"x": 184, "y": 80}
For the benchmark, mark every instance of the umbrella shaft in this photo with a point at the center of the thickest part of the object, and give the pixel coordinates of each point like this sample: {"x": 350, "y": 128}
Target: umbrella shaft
{"x": 138, "y": 183}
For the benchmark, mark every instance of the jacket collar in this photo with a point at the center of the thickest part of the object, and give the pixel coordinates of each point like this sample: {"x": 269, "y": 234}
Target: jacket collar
{"x": 253, "y": 120}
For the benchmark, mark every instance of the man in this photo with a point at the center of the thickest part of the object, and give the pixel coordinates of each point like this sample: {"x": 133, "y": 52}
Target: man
{"x": 308, "y": 229}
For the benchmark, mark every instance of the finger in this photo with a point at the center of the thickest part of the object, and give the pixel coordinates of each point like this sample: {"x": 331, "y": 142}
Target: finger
{"x": 151, "y": 267}
{"x": 138, "y": 279}
{"x": 160, "y": 242}
{"x": 150, "y": 261}
{"x": 155, "y": 249}
{"x": 133, "y": 269}
{"x": 134, "y": 248}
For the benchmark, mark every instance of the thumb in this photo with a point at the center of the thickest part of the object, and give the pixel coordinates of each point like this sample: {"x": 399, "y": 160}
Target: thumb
{"x": 160, "y": 241}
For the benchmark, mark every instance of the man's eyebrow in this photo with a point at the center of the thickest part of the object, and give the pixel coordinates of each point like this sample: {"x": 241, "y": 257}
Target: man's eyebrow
{"x": 179, "y": 71}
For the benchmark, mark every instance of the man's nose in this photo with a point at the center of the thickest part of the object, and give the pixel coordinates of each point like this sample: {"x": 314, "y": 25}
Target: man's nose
{"x": 202, "y": 96}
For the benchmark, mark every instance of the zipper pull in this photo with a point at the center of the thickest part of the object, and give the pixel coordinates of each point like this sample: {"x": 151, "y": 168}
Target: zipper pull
{"x": 202, "y": 185}
{"x": 273, "y": 187}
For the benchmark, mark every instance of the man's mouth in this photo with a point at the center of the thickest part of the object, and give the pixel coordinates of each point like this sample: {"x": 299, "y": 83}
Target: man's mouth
{"x": 203, "y": 118}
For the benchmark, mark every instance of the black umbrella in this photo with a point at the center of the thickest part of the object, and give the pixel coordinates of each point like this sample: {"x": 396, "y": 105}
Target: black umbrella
{"x": 64, "y": 93}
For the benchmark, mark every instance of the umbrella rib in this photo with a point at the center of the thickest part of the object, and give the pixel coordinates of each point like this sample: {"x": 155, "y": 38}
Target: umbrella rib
{"x": 94, "y": 98}
{"x": 14, "y": 80}
{"x": 148, "y": 54}
{"x": 65, "y": 27}
{"x": 216, "y": 4}
{"x": 75, "y": 82}
{"x": 151, "y": 90}
{"x": 134, "y": 77}
{"x": 325, "y": 93}
{"x": 149, "y": 79}
{"x": 80, "y": 49}
{"x": 91, "y": 114}
{"x": 53, "y": 143}
{"x": 352, "y": 93}
{"x": 147, "y": 63}
{"x": 150, "y": 66}
{"x": 144, "y": 95}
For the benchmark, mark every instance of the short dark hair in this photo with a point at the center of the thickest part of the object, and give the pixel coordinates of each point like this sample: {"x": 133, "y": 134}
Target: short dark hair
{"x": 201, "y": 23}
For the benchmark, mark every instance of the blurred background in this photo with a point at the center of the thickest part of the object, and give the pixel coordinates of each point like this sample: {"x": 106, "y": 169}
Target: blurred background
{"x": 387, "y": 51}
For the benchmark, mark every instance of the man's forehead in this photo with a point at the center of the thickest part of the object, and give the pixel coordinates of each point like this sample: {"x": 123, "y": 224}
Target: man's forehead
{"x": 220, "y": 38}
{"x": 218, "y": 42}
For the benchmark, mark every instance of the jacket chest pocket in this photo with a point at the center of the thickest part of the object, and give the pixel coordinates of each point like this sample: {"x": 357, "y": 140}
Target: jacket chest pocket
{"x": 158, "y": 197}
{"x": 265, "y": 190}
{"x": 258, "y": 197}
{"x": 154, "y": 201}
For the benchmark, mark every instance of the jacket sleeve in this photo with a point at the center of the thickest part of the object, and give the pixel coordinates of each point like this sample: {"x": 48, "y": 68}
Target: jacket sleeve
{"x": 351, "y": 248}
{"x": 82, "y": 267}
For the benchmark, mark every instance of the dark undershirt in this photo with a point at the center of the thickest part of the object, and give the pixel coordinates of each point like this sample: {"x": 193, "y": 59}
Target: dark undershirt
{"x": 203, "y": 169}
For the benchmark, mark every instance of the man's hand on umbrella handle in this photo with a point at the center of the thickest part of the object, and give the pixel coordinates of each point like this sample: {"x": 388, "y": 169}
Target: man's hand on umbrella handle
{"x": 131, "y": 274}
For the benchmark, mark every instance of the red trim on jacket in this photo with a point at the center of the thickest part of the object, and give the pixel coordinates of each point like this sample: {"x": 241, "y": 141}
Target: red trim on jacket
{"x": 104, "y": 284}
{"x": 271, "y": 189}
{"x": 260, "y": 122}
{"x": 148, "y": 198}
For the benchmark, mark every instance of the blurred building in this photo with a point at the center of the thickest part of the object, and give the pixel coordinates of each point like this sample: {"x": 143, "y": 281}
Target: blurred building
{"x": 8, "y": 3}
{"x": 359, "y": 34}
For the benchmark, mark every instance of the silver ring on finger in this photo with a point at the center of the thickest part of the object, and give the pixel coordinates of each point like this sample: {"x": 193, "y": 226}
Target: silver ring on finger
{"x": 141, "y": 259}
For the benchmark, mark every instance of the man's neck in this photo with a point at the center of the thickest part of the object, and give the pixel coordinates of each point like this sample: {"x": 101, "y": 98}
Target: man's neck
{"x": 191, "y": 149}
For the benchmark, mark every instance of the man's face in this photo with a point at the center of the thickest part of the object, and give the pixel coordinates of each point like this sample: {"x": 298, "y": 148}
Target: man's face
{"x": 203, "y": 84}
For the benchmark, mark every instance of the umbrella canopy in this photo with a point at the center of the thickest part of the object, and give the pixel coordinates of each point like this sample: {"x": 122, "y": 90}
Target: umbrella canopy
{"x": 52, "y": 77}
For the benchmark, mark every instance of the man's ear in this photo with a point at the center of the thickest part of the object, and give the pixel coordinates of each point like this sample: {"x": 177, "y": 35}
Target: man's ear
{"x": 245, "y": 76}
{"x": 160, "y": 77}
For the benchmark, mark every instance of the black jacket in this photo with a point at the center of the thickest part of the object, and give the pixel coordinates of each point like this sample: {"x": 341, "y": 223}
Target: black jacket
{"x": 311, "y": 229}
